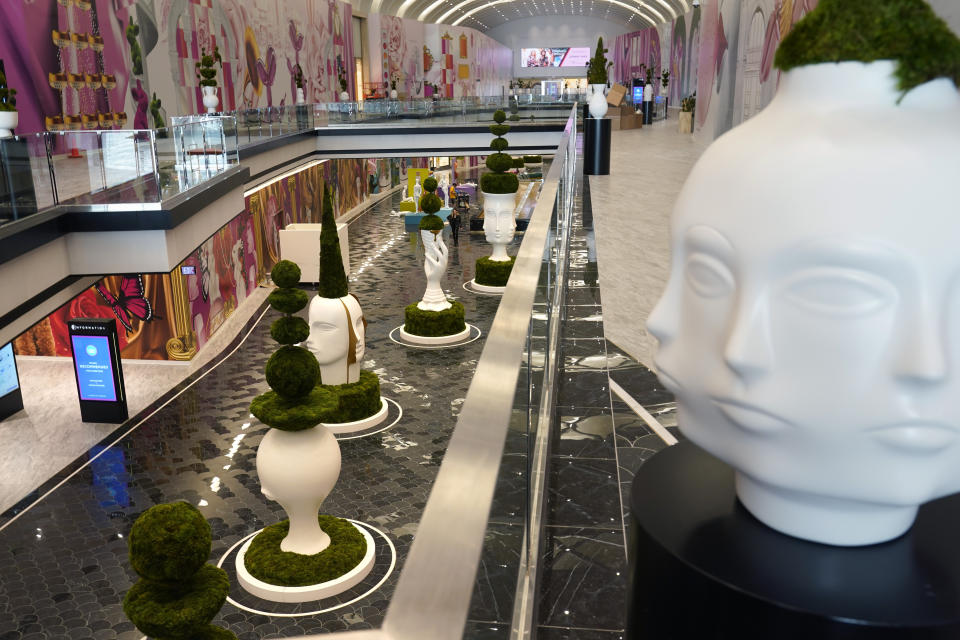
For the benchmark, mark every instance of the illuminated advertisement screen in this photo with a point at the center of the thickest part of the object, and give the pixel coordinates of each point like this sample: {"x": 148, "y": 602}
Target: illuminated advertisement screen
{"x": 8, "y": 371}
{"x": 94, "y": 368}
{"x": 555, "y": 57}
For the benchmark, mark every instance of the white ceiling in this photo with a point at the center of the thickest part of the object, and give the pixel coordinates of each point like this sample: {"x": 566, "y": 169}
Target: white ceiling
{"x": 484, "y": 15}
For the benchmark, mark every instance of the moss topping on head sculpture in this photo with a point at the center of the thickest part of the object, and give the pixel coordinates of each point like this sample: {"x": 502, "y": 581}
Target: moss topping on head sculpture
{"x": 292, "y": 372}
{"x": 597, "y": 70}
{"x": 430, "y": 203}
{"x": 499, "y": 163}
{"x": 333, "y": 279}
{"x": 178, "y": 594}
{"x": 906, "y": 31}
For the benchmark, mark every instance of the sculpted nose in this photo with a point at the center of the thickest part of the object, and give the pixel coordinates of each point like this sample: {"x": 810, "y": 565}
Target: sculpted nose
{"x": 921, "y": 358}
{"x": 748, "y": 351}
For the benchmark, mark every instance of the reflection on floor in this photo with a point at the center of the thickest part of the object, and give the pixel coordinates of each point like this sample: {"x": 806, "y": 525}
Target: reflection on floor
{"x": 65, "y": 558}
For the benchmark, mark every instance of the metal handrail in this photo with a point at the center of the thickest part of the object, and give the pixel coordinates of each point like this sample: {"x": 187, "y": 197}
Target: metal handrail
{"x": 433, "y": 593}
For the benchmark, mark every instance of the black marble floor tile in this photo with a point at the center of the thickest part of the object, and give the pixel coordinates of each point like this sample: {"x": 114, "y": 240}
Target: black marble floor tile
{"x": 582, "y": 295}
{"x": 581, "y": 330}
{"x": 582, "y": 348}
{"x": 510, "y": 494}
{"x": 478, "y": 630}
{"x": 628, "y": 426}
{"x": 585, "y": 313}
{"x": 583, "y": 493}
{"x": 496, "y": 587}
{"x": 583, "y": 579}
{"x": 562, "y": 633}
{"x": 584, "y": 433}
{"x": 642, "y": 385}
{"x": 624, "y": 360}
{"x": 583, "y": 389}
{"x": 630, "y": 459}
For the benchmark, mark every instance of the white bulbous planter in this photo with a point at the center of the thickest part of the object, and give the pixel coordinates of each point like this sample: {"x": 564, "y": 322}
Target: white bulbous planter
{"x": 298, "y": 469}
{"x": 337, "y": 338}
{"x": 344, "y": 96}
{"x": 301, "y": 99}
{"x": 393, "y": 94}
{"x": 598, "y": 101}
{"x": 8, "y": 122}
{"x": 808, "y": 328}
{"x": 210, "y": 99}
{"x": 435, "y": 265}
{"x": 499, "y": 225}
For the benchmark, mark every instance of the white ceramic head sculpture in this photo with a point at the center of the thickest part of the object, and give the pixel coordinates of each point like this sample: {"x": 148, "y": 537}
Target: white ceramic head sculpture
{"x": 337, "y": 338}
{"x": 810, "y": 328}
{"x": 499, "y": 224}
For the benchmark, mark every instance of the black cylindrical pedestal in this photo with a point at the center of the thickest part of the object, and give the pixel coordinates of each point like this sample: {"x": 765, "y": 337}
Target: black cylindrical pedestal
{"x": 647, "y": 112}
{"x": 702, "y": 567}
{"x": 596, "y": 146}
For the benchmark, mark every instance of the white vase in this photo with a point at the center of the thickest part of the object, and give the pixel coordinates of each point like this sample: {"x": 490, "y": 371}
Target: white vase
{"x": 8, "y": 121}
{"x": 597, "y": 101}
{"x": 301, "y": 99}
{"x": 298, "y": 469}
{"x": 808, "y": 328}
{"x": 499, "y": 225}
{"x": 393, "y": 94}
{"x": 435, "y": 265}
{"x": 210, "y": 99}
{"x": 344, "y": 96}
{"x": 337, "y": 338}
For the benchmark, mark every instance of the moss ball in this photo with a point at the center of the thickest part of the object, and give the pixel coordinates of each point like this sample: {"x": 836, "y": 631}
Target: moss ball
{"x": 285, "y": 274}
{"x": 289, "y": 330}
{"x": 320, "y": 405}
{"x": 499, "y": 116}
{"x": 287, "y": 300}
{"x": 431, "y": 203}
{"x": 431, "y": 223}
{"x": 518, "y": 163}
{"x": 499, "y": 162}
{"x": 499, "y": 129}
{"x": 430, "y": 184}
{"x": 499, "y": 144}
{"x": 499, "y": 183}
{"x": 169, "y": 542}
{"x": 292, "y": 371}
{"x": 163, "y": 611}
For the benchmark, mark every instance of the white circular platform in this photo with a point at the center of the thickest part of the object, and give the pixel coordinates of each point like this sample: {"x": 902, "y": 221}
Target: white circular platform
{"x": 397, "y": 335}
{"x": 312, "y": 592}
{"x": 483, "y": 288}
{"x": 359, "y": 425}
{"x": 434, "y": 340}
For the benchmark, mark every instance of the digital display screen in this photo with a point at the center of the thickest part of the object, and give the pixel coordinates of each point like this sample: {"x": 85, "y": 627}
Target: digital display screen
{"x": 555, "y": 57}
{"x": 637, "y": 95}
{"x": 8, "y": 370}
{"x": 188, "y": 270}
{"x": 94, "y": 368}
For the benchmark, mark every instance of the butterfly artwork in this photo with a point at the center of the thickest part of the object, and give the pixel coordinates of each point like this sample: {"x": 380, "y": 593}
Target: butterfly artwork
{"x": 130, "y": 302}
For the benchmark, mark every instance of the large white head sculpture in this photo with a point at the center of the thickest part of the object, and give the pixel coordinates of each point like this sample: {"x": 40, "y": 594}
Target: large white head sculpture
{"x": 499, "y": 224}
{"x": 337, "y": 335}
{"x": 810, "y": 328}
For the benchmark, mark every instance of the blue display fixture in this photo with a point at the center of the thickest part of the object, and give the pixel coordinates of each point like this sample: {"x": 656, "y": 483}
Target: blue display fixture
{"x": 96, "y": 364}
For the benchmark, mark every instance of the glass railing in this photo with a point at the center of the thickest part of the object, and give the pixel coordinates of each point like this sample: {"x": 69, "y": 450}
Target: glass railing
{"x": 499, "y": 446}
{"x": 113, "y": 168}
{"x": 521, "y": 109}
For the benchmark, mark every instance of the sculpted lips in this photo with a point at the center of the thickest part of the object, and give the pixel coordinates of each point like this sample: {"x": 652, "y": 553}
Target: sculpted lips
{"x": 916, "y": 437}
{"x": 749, "y": 417}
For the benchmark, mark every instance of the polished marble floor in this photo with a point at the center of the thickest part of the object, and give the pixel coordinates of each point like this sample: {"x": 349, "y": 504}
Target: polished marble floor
{"x": 64, "y": 552}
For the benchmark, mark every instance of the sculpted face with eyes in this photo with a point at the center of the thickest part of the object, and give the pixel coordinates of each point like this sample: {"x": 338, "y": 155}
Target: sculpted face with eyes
{"x": 810, "y": 328}
{"x": 337, "y": 338}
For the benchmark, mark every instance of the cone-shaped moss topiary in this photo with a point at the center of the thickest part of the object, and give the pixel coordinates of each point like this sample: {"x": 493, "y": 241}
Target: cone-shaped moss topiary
{"x": 906, "y": 31}
{"x": 8, "y": 101}
{"x": 178, "y": 594}
{"x": 292, "y": 372}
{"x": 333, "y": 279}
{"x": 205, "y": 69}
{"x": 597, "y": 71}
{"x": 499, "y": 163}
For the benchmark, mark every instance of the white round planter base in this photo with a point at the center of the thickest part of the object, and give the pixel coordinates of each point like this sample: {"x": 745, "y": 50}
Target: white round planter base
{"x": 359, "y": 425}
{"x": 400, "y": 336}
{"x": 432, "y": 340}
{"x": 309, "y": 593}
{"x": 484, "y": 288}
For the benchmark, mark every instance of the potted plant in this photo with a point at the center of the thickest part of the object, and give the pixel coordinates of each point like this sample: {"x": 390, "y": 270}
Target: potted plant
{"x": 298, "y": 80}
{"x": 687, "y": 107}
{"x": 8, "y": 106}
{"x": 665, "y": 81}
{"x": 208, "y": 78}
{"x": 342, "y": 80}
{"x": 499, "y": 188}
{"x": 597, "y": 79}
{"x": 393, "y": 86}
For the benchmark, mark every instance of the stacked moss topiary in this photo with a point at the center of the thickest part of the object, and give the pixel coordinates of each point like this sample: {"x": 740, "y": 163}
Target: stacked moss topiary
{"x": 907, "y": 31}
{"x": 295, "y": 401}
{"x": 532, "y": 159}
{"x": 514, "y": 107}
{"x": 430, "y": 203}
{"x": 499, "y": 163}
{"x": 178, "y": 594}
{"x": 354, "y": 400}
{"x": 518, "y": 163}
